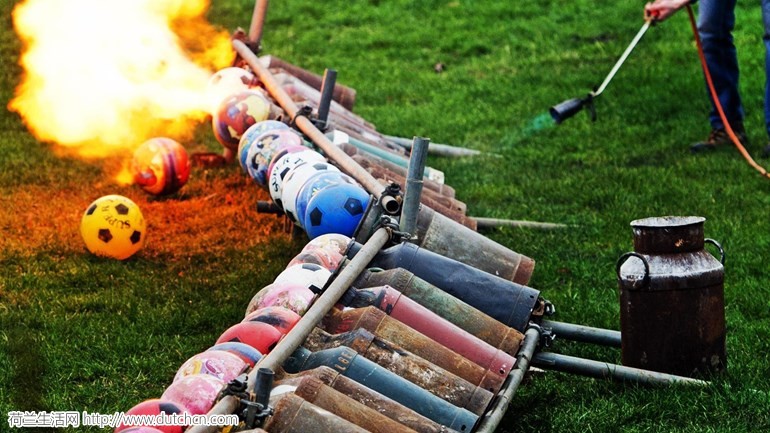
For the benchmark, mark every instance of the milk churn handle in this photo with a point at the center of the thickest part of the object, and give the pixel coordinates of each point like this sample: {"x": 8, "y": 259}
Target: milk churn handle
{"x": 721, "y": 250}
{"x": 622, "y": 259}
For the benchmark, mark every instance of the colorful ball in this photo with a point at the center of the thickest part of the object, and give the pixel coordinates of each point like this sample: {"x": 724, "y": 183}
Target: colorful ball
{"x": 260, "y": 336}
{"x": 336, "y": 209}
{"x": 295, "y": 297}
{"x": 254, "y": 131}
{"x": 306, "y": 274}
{"x": 236, "y": 114}
{"x": 247, "y": 353}
{"x": 113, "y": 226}
{"x": 160, "y": 166}
{"x": 223, "y": 365}
{"x": 294, "y": 181}
{"x": 155, "y": 407}
{"x": 279, "y": 318}
{"x": 262, "y": 151}
{"x": 283, "y": 151}
{"x": 283, "y": 168}
{"x": 316, "y": 183}
{"x": 328, "y": 259}
{"x": 334, "y": 242}
{"x": 227, "y": 82}
{"x": 196, "y": 393}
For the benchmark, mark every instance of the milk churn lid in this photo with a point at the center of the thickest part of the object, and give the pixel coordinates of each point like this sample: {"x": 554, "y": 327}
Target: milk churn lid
{"x": 669, "y": 255}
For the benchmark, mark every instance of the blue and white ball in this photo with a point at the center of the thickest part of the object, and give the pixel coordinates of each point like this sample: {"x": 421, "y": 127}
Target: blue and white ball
{"x": 336, "y": 209}
{"x": 316, "y": 183}
{"x": 294, "y": 182}
{"x": 284, "y": 166}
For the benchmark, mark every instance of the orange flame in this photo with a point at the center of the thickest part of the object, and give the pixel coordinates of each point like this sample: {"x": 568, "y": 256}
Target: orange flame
{"x": 105, "y": 75}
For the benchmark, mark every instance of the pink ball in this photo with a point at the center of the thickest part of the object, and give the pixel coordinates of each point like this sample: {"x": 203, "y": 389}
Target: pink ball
{"x": 295, "y": 297}
{"x": 260, "y": 336}
{"x": 329, "y": 259}
{"x": 223, "y": 365}
{"x": 279, "y": 318}
{"x": 197, "y": 392}
{"x": 330, "y": 241}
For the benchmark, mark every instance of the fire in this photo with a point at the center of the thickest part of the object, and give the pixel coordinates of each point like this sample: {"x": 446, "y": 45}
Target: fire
{"x": 101, "y": 76}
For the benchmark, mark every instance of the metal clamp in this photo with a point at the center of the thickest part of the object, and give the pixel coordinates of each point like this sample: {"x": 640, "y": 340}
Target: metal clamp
{"x": 622, "y": 259}
{"x": 305, "y": 111}
{"x": 719, "y": 247}
{"x": 550, "y": 309}
{"x": 546, "y": 336}
{"x": 396, "y": 236}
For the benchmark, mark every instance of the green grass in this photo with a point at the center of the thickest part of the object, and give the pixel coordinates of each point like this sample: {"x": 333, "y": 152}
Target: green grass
{"x": 81, "y": 333}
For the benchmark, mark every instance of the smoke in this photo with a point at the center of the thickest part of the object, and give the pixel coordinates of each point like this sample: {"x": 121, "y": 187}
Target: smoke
{"x": 103, "y": 75}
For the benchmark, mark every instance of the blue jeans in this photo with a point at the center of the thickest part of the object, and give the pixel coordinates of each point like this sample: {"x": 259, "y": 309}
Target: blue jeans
{"x": 716, "y": 20}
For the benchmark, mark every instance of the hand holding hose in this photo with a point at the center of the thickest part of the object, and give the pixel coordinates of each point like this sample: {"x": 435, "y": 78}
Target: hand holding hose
{"x": 659, "y": 10}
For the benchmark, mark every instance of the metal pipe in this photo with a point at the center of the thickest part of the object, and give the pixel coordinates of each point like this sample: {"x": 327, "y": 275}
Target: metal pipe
{"x": 605, "y": 370}
{"x": 493, "y": 417}
{"x": 301, "y": 330}
{"x": 488, "y": 223}
{"x": 622, "y": 58}
{"x": 584, "y": 334}
{"x": 413, "y": 188}
{"x": 327, "y": 91}
{"x": 340, "y": 137}
{"x": 344, "y": 95}
{"x": 264, "y": 383}
{"x": 435, "y": 148}
{"x": 345, "y": 162}
{"x": 322, "y": 305}
{"x": 257, "y": 22}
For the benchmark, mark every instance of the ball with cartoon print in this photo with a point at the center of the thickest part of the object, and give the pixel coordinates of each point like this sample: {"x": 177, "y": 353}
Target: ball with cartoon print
{"x": 160, "y": 166}
{"x": 249, "y": 137}
{"x": 236, "y": 114}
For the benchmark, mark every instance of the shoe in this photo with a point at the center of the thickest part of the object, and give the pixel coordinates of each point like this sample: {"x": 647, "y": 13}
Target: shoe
{"x": 719, "y": 137}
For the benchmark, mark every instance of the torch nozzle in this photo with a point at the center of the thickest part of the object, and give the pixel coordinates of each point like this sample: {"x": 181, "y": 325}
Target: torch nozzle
{"x": 566, "y": 109}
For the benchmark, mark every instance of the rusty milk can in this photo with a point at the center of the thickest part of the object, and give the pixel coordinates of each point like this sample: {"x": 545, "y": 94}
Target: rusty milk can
{"x": 672, "y": 314}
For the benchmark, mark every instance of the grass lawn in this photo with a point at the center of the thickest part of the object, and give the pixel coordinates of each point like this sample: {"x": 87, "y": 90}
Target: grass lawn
{"x": 87, "y": 334}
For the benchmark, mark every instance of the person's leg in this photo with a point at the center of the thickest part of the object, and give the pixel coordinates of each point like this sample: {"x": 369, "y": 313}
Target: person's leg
{"x": 766, "y": 39}
{"x": 716, "y": 20}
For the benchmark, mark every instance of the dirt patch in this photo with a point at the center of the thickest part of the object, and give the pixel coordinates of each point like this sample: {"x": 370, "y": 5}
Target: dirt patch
{"x": 213, "y": 212}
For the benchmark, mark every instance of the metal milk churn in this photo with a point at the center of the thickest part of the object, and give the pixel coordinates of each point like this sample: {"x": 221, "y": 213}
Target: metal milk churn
{"x": 672, "y": 314}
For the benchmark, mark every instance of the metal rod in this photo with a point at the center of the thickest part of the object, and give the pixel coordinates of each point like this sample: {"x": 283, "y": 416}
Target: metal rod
{"x": 584, "y": 334}
{"x": 301, "y": 330}
{"x": 488, "y": 223}
{"x": 322, "y": 305}
{"x": 327, "y": 91}
{"x": 605, "y": 370}
{"x": 622, "y": 59}
{"x": 346, "y": 163}
{"x": 493, "y": 417}
{"x": 435, "y": 148}
{"x": 257, "y": 22}
{"x": 264, "y": 383}
{"x": 413, "y": 188}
